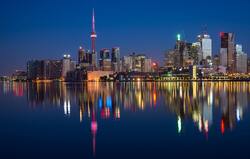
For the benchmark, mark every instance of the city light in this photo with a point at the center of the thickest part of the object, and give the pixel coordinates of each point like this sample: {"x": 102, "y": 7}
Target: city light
{"x": 179, "y": 37}
{"x": 178, "y": 87}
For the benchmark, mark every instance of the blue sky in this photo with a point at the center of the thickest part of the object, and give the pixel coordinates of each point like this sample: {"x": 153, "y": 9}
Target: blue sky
{"x": 35, "y": 29}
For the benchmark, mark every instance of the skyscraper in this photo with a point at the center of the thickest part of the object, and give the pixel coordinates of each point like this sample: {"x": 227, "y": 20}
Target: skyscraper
{"x": 67, "y": 65}
{"x": 180, "y": 52}
{"x": 206, "y": 45}
{"x": 105, "y": 61}
{"x": 81, "y": 55}
{"x": 228, "y": 50}
{"x": 115, "y": 59}
{"x": 241, "y": 60}
{"x": 84, "y": 58}
{"x": 136, "y": 63}
{"x": 196, "y": 53}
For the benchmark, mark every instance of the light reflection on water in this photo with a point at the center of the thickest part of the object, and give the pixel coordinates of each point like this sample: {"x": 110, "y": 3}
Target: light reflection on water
{"x": 196, "y": 102}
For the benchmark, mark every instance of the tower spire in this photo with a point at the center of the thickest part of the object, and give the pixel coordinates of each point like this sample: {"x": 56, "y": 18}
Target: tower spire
{"x": 93, "y": 37}
{"x": 93, "y": 21}
{"x": 93, "y": 34}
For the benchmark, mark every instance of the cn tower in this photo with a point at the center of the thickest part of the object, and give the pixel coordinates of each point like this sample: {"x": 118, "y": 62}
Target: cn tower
{"x": 93, "y": 34}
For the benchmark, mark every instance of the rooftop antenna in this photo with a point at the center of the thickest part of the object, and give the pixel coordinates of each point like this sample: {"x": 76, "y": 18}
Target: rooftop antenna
{"x": 205, "y": 29}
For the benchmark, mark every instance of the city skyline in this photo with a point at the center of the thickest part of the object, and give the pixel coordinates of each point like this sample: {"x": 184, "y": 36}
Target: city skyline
{"x": 118, "y": 33}
{"x": 125, "y": 79}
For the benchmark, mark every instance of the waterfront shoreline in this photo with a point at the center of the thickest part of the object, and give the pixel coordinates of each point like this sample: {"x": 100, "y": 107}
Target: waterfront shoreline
{"x": 131, "y": 81}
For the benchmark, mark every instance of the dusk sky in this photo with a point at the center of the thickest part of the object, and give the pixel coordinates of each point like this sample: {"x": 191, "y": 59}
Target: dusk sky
{"x": 46, "y": 29}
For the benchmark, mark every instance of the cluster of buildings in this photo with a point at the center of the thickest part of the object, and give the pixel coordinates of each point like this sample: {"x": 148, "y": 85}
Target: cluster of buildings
{"x": 198, "y": 56}
{"x": 186, "y": 61}
{"x": 137, "y": 63}
{"x": 87, "y": 67}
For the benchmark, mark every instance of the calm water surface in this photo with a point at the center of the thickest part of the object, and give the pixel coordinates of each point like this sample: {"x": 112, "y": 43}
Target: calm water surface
{"x": 125, "y": 120}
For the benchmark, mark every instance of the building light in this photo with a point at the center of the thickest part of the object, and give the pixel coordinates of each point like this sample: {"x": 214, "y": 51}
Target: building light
{"x": 222, "y": 34}
{"x": 179, "y": 37}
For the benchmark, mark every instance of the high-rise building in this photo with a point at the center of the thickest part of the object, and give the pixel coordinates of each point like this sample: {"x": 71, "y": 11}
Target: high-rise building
{"x": 169, "y": 59}
{"x": 105, "y": 61}
{"x": 115, "y": 59}
{"x": 53, "y": 69}
{"x": 67, "y": 65}
{"x": 228, "y": 48}
{"x": 147, "y": 67}
{"x": 127, "y": 63}
{"x": 104, "y": 54}
{"x": 82, "y": 57}
{"x": 136, "y": 63}
{"x": 248, "y": 65}
{"x": 241, "y": 63}
{"x": 180, "y": 52}
{"x": 223, "y": 57}
{"x": 196, "y": 53}
{"x": 241, "y": 60}
{"x": 239, "y": 49}
{"x": 186, "y": 54}
{"x": 216, "y": 61}
{"x": 206, "y": 45}
{"x": 179, "y": 55}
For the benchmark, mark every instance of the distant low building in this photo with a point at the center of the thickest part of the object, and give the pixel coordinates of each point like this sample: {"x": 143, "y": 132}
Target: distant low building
{"x": 44, "y": 69}
{"x": 96, "y": 75}
{"x": 35, "y": 70}
{"x": 19, "y": 75}
{"x": 77, "y": 75}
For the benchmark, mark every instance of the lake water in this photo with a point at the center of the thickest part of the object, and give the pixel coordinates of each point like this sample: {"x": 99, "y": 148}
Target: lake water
{"x": 125, "y": 120}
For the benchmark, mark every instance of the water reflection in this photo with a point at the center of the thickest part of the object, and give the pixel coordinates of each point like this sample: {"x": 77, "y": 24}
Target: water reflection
{"x": 197, "y": 102}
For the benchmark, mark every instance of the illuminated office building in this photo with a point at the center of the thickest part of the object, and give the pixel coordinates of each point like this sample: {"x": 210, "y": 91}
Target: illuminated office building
{"x": 67, "y": 65}
{"x": 227, "y": 52}
{"x": 241, "y": 60}
{"x": 136, "y": 63}
{"x": 115, "y": 59}
{"x": 105, "y": 61}
{"x": 44, "y": 69}
{"x": 206, "y": 45}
